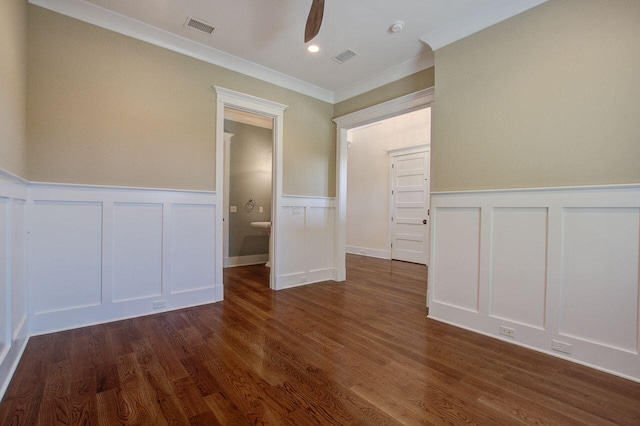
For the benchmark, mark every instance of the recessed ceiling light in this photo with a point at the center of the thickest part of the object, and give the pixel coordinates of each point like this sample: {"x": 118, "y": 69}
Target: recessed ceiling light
{"x": 313, "y": 48}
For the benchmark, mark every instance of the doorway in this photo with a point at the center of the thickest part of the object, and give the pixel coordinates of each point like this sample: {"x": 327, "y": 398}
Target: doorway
{"x": 261, "y": 108}
{"x": 408, "y": 103}
{"x": 387, "y": 188}
{"x": 248, "y": 179}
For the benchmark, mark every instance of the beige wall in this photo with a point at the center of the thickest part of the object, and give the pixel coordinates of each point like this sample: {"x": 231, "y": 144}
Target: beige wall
{"x": 107, "y": 109}
{"x": 13, "y": 68}
{"x": 548, "y": 98}
{"x": 410, "y": 84}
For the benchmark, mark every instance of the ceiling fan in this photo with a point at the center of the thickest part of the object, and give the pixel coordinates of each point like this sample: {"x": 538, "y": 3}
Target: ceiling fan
{"x": 314, "y": 20}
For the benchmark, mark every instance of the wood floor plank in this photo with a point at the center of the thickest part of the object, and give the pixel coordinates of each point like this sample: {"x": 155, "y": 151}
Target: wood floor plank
{"x": 358, "y": 352}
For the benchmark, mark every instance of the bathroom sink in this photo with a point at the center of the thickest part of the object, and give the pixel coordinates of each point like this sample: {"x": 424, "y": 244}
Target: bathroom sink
{"x": 261, "y": 225}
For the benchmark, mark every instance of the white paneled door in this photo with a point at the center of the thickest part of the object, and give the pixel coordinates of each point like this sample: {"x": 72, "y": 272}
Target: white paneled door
{"x": 410, "y": 207}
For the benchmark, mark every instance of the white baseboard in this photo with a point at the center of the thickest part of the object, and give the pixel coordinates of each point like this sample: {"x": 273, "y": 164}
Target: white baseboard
{"x": 255, "y": 259}
{"x": 9, "y": 363}
{"x": 304, "y": 278}
{"x": 369, "y": 252}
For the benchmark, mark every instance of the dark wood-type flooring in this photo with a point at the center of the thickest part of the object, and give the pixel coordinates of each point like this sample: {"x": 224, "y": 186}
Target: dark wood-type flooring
{"x": 361, "y": 352}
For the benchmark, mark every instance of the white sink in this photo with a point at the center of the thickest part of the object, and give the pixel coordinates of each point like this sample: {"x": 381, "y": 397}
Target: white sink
{"x": 261, "y": 225}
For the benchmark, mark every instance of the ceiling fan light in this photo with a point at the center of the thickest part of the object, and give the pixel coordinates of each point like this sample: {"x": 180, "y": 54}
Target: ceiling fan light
{"x": 313, "y": 48}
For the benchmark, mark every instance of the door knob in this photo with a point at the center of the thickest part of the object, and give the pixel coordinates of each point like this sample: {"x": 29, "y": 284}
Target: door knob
{"x": 424, "y": 221}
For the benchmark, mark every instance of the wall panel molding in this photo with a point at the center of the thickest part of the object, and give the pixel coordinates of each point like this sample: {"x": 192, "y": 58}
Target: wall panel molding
{"x": 306, "y": 233}
{"x": 120, "y": 253}
{"x": 555, "y": 264}
{"x": 14, "y": 323}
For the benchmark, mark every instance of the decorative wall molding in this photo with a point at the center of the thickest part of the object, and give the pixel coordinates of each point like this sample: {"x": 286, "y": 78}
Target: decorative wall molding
{"x": 369, "y": 252}
{"x": 255, "y": 259}
{"x": 103, "y": 254}
{"x": 489, "y": 14}
{"x": 554, "y": 265}
{"x": 306, "y": 236}
{"x": 14, "y": 323}
{"x": 109, "y": 20}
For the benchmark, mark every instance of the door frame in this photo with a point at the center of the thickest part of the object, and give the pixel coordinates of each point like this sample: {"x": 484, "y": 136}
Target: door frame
{"x": 402, "y": 105}
{"x": 393, "y": 154}
{"x": 267, "y": 108}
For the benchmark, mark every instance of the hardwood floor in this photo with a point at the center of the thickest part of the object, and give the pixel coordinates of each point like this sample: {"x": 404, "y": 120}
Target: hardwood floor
{"x": 361, "y": 352}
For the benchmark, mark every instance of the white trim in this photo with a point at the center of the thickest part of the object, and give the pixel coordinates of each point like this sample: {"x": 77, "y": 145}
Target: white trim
{"x": 255, "y": 259}
{"x": 402, "y": 105}
{"x": 369, "y": 252}
{"x": 10, "y": 176}
{"x": 415, "y": 149}
{"x": 109, "y": 20}
{"x": 74, "y": 186}
{"x": 477, "y": 20}
{"x": 387, "y": 76}
{"x": 274, "y": 110}
{"x": 620, "y": 186}
{"x": 243, "y": 117}
{"x": 12, "y": 359}
{"x": 544, "y": 351}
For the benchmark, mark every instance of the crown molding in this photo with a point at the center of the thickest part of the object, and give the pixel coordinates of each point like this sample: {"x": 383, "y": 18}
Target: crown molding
{"x": 112, "y": 21}
{"x": 477, "y": 20}
{"x": 494, "y": 12}
{"x": 390, "y": 75}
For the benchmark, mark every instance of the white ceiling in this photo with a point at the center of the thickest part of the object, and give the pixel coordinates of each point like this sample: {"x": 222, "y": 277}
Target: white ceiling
{"x": 264, "y": 38}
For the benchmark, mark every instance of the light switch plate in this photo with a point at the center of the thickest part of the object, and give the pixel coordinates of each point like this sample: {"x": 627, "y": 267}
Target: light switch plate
{"x": 233, "y": 209}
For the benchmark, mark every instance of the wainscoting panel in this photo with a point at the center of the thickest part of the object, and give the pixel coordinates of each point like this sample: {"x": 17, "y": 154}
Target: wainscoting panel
{"x": 66, "y": 239}
{"x": 600, "y": 276}
{"x": 457, "y": 257}
{"x": 306, "y": 232}
{"x": 519, "y": 265}
{"x": 193, "y": 233}
{"x": 137, "y": 251}
{"x": 99, "y": 254}
{"x": 319, "y": 241}
{"x": 18, "y": 267}
{"x": 14, "y": 323}
{"x": 557, "y": 267}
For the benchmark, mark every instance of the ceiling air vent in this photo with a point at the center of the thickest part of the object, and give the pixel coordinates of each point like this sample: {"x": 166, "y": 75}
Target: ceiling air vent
{"x": 198, "y": 25}
{"x": 344, "y": 56}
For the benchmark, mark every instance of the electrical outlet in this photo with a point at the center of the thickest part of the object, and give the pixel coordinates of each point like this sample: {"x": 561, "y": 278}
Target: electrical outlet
{"x": 260, "y": 209}
{"x": 303, "y": 279}
{"x": 159, "y": 304}
{"x": 510, "y": 332}
{"x": 233, "y": 209}
{"x": 559, "y": 346}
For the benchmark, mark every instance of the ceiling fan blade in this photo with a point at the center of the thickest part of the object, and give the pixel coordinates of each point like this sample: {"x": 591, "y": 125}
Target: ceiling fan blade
{"x": 314, "y": 20}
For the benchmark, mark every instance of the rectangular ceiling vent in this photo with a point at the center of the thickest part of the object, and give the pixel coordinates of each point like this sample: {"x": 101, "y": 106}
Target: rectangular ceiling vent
{"x": 199, "y": 25}
{"x": 344, "y": 56}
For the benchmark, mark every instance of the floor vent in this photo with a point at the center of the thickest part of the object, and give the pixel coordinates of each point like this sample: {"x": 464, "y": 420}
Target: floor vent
{"x": 199, "y": 25}
{"x": 344, "y": 56}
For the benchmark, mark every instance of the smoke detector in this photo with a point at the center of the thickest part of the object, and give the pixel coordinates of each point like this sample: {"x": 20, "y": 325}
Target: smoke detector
{"x": 397, "y": 26}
